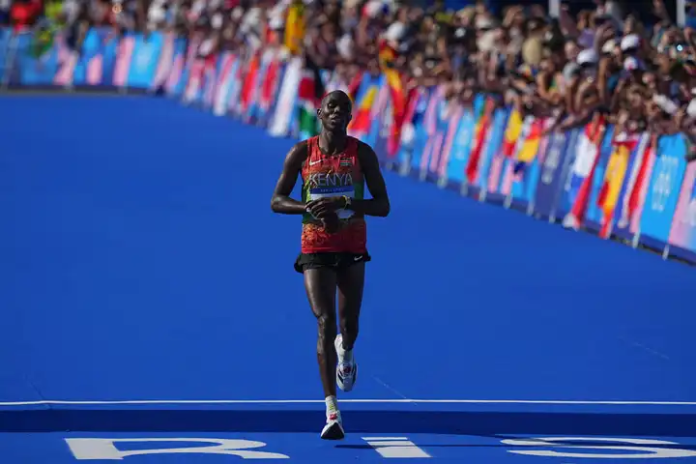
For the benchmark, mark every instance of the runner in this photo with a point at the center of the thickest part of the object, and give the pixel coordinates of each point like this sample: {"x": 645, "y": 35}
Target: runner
{"x": 335, "y": 169}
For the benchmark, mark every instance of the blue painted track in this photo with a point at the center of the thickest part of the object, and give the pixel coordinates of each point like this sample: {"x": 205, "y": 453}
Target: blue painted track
{"x": 141, "y": 262}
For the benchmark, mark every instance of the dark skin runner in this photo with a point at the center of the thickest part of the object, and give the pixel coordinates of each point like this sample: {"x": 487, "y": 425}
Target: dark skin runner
{"x": 321, "y": 284}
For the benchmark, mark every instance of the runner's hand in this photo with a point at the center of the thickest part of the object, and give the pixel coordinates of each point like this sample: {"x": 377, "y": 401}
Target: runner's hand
{"x": 324, "y": 206}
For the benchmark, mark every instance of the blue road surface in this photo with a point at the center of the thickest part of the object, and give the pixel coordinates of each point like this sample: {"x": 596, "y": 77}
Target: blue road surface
{"x": 150, "y": 312}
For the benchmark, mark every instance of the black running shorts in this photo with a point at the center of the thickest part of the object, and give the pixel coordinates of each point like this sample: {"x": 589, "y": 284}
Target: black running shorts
{"x": 331, "y": 260}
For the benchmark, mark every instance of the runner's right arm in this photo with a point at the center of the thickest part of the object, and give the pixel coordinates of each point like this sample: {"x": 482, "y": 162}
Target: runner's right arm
{"x": 281, "y": 202}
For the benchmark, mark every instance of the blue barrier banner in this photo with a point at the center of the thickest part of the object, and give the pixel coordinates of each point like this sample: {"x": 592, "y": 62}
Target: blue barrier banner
{"x": 144, "y": 61}
{"x": 421, "y": 129}
{"x": 664, "y": 189}
{"x": 551, "y": 179}
{"x": 96, "y": 63}
{"x": 5, "y": 35}
{"x": 109, "y": 53}
{"x": 461, "y": 144}
{"x": 492, "y": 146}
{"x": 437, "y": 163}
{"x": 430, "y": 125}
{"x": 454, "y": 116}
{"x": 176, "y": 81}
{"x": 683, "y": 233}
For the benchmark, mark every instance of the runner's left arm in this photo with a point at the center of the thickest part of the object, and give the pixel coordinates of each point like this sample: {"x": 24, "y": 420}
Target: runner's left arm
{"x": 379, "y": 204}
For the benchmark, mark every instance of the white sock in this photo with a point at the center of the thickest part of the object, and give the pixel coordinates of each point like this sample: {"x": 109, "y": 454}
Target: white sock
{"x": 344, "y": 356}
{"x": 331, "y": 405}
{"x": 347, "y": 357}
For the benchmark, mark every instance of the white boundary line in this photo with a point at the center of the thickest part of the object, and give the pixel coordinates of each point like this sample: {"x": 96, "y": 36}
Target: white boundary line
{"x": 363, "y": 401}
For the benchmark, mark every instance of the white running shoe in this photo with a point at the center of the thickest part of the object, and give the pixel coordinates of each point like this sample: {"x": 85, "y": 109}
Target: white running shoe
{"x": 333, "y": 430}
{"x": 346, "y": 372}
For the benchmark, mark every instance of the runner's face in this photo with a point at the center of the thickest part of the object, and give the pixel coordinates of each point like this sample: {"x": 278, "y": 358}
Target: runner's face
{"x": 335, "y": 113}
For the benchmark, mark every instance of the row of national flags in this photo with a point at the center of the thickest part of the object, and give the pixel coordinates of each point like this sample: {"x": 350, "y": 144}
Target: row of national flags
{"x": 599, "y": 176}
{"x": 483, "y": 144}
{"x": 623, "y": 166}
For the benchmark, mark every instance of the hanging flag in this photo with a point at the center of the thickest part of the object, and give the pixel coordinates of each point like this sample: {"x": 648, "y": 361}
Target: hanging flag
{"x": 248, "y": 88}
{"x": 411, "y": 122}
{"x": 295, "y": 27}
{"x": 630, "y": 193}
{"x": 512, "y": 133}
{"x": 583, "y": 171}
{"x": 480, "y": 137}
{"x": 354, "y": 85}
{"x": 362, "y": 114}
{"x": 527, "y": 152}
{"x": 308, "y": 121}
{"x": 269, "y": 87}
{"x": 614, "y": 176}
{"x": 387, "y": 59}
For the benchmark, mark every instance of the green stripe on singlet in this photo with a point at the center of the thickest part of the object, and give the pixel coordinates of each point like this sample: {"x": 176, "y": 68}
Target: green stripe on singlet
{"x": 306, "y": 217}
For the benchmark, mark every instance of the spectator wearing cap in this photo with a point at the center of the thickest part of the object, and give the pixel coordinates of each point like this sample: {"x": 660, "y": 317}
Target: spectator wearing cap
{"x": 631, "y": 45}
{"x": 583, "y": 94}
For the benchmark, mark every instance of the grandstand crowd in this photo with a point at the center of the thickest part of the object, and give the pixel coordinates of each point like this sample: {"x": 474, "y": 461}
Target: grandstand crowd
{"x": 638, "y": 73}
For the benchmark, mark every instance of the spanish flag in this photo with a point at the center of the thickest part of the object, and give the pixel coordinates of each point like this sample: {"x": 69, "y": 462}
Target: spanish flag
{"x": 614, "y": 176}
{"x": 512, "y": 133}
{"x": 529, "y": 149}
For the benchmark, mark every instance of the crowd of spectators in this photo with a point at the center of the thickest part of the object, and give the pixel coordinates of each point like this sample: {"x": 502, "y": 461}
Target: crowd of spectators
{"x": 637, "y": 71}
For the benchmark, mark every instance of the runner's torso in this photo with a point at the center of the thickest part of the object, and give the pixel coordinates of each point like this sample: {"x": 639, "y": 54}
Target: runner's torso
{"x": 333, "y": 176}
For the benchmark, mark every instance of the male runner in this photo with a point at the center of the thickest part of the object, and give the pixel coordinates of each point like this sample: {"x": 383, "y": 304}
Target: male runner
{"x": 334, "y": 168}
